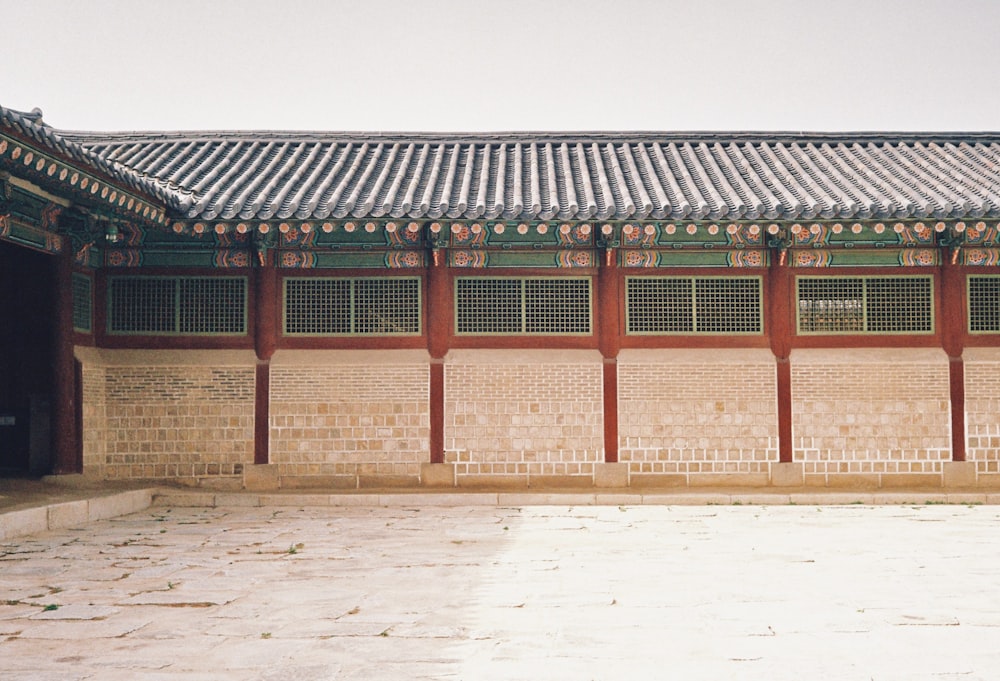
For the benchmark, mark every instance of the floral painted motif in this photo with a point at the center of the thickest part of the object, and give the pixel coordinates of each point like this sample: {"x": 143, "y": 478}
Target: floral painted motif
{"x": 981, "y": 257}
{"x": 922, "y": 257}
{"x": 232, "y": 258}
{"x": 574, "y": 235}
{"x": 404, "y": 259}
{"x": 463, "y": 235}
{"x": 572, "y": 258}
{"x": 746, "y": 259}
{"x": 123, "y": 257}
{"x": 638, "y": 259}
{"x": 981, "y": 233}
{"x": 468, "y": 259}
{"x": 634, "y": 235}
{"x": 811, "y": 259}
{"x": 298, "y": 260}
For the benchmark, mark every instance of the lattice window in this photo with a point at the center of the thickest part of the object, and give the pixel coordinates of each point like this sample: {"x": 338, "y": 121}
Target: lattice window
{"x": 343, "y": 306}
{"x": 177, "y": 305}
{"x": 831, "y": 305}
{"x": 211, "y": 305}
{"x": 679, "y": 305}
{"x": 142, "y": 305}
{"x": 83, "y": 305}
{"x": 508, "y": 305}
{"x": 984, "y": 304}
{"x": 894, "y": 304}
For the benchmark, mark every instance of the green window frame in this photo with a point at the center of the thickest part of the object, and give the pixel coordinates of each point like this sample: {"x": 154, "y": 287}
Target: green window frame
{"x": 705, "y": 305}
{"x": 352, "y": 306}
{"x": 983, "y": 303}
{"x": 83, "y": 303}
{"x": 877, "y": 305}
{"x": 177, "y": 306}
{"x": 523, "y": 306}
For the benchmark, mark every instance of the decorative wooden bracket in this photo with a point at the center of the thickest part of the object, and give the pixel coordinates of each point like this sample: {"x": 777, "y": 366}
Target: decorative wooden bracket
{"x": 952, "y": 239}
{"x": 436, "y": 240}
{"x": 264, "y": 239}
{"x": 780, "y": 240}
{"x": 608, "y": 238}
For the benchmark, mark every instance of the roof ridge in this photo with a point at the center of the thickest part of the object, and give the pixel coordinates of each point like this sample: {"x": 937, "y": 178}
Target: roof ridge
{"x": 513, "y": 137}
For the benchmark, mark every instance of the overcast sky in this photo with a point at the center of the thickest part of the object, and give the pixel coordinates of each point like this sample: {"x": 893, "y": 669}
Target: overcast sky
{"x": 454, "y": 65}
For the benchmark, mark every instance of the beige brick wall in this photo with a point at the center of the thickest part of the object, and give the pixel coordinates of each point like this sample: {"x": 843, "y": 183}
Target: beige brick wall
{"x": 692, "y": 412}
{"x": 350, "y": 413}
{"x": 166, "y": 414}
{"x": 982, "y": 409}
{"x": 94, "y": 420}
{"x": 523, "y": 413}
{"x": 870, "y": 412}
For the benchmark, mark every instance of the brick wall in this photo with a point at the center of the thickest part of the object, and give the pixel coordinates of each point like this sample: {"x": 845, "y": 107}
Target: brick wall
{"x": 523, "y": 414}
{"x": 870, "y": 416}
{"x": 352, "y": 415}
{"x": 180, "y": 415}
{"x": 685, "y": 413}
{"x": 982, "y": 409}
{"x": 94, "y": 420}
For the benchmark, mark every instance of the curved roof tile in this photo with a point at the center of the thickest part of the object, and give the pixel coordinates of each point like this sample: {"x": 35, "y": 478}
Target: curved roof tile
{"x": 543, "y": 176}
{"x": 30, "y": 125}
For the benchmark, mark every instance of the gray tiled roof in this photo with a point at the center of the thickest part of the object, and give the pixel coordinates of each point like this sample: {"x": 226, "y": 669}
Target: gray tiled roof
{"x": 31, "y": 126}
{"x": 584, "y": 176}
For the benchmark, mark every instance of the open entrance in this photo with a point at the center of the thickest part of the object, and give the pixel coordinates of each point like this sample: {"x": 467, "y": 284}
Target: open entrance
{"x": 26, "y": 349}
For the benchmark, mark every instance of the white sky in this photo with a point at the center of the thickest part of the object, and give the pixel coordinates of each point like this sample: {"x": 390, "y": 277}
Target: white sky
{"x": 472, "y": 65}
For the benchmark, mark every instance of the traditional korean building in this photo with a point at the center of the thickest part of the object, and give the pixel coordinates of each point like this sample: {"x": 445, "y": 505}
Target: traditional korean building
{"x": 317, "y": 309}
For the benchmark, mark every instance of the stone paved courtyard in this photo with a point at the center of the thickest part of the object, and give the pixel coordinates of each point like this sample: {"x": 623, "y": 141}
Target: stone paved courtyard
{"x": 539, "y": 592}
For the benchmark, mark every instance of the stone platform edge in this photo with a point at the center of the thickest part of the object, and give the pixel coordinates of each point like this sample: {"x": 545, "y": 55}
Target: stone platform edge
{"x": 210, "y": 499}
{"x": 65, "y": 514}
{"x": 62, "y": 514}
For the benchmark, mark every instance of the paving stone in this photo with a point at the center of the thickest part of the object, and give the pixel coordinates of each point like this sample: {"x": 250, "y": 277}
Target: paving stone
{"x": 76, "y": 612}
{"x": 620, "y": 591}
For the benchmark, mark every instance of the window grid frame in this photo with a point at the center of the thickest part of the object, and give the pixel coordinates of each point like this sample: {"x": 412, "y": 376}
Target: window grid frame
{"x": 995, "y": 280}
{"x": 352, "y": 319}
{"x": 692, "y": 304}
{"x": 80, "y": 298}
{"x": 866, "y": 321}
{"x": 177, "y": 313}
{"x": 523, "y": 311}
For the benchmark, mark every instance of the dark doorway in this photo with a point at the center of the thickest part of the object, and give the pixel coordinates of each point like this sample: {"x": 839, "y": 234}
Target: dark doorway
{"x": 26, "y": 347}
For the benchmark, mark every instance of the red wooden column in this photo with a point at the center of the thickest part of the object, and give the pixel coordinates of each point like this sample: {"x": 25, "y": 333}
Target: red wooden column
{"x": 609, "y": 342}
{"x": 265, "y": 280}
{"x": 439, "y": 316}
{"x": 65, "y": 437}
{"x": 953, "y": 330}
{"x": 780, "y": 294}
